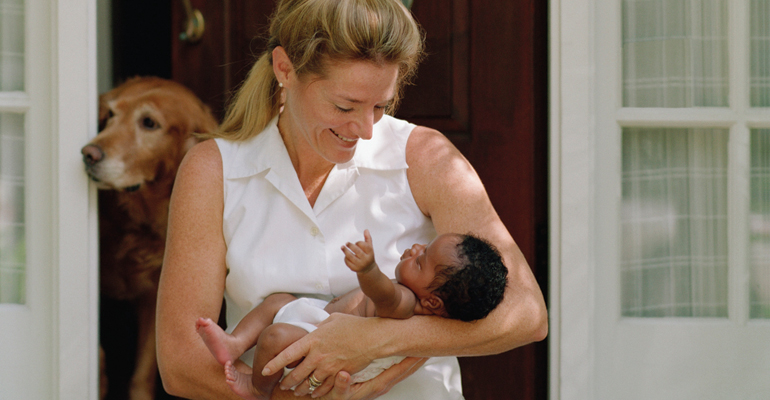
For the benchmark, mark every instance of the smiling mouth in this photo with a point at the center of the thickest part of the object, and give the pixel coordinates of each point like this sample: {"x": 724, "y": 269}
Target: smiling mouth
{"x": 344, "y": 139}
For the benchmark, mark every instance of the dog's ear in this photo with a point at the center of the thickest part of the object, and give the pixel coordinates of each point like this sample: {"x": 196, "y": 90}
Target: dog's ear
{"x": 191, "y": 141}
{"x": 207, "y": 122}
{"x": 202, "y": 122}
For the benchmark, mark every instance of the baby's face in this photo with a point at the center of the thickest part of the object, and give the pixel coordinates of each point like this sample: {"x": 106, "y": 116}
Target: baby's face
{"x": 417, "y": 267}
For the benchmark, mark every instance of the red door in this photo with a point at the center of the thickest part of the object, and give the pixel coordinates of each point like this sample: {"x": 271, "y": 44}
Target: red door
{"x": 483, "y": 84}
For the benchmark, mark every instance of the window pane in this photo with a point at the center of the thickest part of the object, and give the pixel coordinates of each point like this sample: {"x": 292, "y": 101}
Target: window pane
{"x": 759, "y": 224}
{"x": 674, "y": 223}
{"x": 11, "y": 45}
{"x": 760, "y": 53}
{"x": 12, "y": 243}
{"x": 675, "y": 53}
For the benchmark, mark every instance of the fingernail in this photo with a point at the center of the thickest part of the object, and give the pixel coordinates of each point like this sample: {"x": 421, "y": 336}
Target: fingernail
{"x": 266, "y": 372}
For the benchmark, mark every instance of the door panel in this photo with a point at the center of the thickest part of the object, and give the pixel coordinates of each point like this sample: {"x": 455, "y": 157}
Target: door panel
{"x": 215, "y": 66}
{"x": 440, "y": 97}
{"x": 483, "y": 84}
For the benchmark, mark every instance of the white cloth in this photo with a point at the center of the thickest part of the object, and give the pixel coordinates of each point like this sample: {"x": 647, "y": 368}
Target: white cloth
{"x": 277, "y": 243}
{"x": 307, "y": 313}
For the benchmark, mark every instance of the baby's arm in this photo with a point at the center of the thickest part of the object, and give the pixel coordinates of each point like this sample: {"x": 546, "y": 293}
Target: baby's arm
{"x": 390, "y": 299}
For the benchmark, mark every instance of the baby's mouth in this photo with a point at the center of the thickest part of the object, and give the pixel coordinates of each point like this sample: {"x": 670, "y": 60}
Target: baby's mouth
{"x": 344, "y": 139}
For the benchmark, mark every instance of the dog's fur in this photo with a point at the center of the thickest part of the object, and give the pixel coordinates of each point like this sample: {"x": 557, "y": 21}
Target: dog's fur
{"x": 146, "y": 127}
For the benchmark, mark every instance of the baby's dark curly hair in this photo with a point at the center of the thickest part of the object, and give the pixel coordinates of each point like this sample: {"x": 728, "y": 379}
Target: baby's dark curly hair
{"x": 473, "y": 288}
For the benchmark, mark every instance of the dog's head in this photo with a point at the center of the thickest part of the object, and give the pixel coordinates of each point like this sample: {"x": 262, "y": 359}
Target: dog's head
{"x": 145, "y": 129}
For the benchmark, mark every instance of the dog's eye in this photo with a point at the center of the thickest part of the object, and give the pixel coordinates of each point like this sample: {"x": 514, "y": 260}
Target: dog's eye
{"x": 103, "y": 122}
{"x": 149, "y": 123}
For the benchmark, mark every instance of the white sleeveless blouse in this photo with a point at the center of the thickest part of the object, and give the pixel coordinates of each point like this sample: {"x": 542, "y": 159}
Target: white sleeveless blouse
{"x": 276, "y": 242}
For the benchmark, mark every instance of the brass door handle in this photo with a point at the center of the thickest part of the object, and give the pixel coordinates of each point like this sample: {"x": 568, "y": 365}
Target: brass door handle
{"x": 194, "y": 24}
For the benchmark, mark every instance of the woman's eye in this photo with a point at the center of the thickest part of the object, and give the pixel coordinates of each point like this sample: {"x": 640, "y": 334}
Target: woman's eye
{"x": 344, "y": 110}
{"x": 149, "y": 123}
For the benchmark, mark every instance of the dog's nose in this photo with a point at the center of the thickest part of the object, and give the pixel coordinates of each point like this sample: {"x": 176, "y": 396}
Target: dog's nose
{"x": 92, "y": 154}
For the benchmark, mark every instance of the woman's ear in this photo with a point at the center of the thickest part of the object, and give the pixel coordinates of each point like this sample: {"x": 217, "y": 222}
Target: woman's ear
{"x": 282, "y": 66}
{"x": 434, "y": 304}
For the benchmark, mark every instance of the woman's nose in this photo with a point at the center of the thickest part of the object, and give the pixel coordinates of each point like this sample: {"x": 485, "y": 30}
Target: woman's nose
{"x": 365, "y": 125}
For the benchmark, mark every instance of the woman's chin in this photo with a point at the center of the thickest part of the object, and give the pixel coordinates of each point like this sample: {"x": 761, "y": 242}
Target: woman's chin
{"x": 340, "y": 157}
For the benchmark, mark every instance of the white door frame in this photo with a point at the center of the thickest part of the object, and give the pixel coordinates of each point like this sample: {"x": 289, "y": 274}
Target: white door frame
{"x": 572, "y": 142}
{"x": 75, "y": 236}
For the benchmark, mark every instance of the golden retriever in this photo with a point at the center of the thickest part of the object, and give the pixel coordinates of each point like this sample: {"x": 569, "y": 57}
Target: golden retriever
{"x": 145, "y": 129}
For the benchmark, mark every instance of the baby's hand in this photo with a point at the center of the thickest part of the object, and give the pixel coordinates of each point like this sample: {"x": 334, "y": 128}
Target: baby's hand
{"x": 359, "y": 257}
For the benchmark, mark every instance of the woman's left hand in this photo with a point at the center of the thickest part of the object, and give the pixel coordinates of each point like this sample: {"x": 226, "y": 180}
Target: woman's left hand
{"x": 339, "y": 344}
{"x": 373, "y": 388}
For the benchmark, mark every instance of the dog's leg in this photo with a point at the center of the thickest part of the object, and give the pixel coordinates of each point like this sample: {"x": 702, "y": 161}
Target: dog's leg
{"x": 103, "y": 382}
{"x": 143, "y": 380}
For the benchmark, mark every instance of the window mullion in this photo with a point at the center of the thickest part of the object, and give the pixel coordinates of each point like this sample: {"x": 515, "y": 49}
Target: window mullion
{"x": 738, "y": 210}
{"x": 15, "y": 102}
{"x": 739, "y": 162}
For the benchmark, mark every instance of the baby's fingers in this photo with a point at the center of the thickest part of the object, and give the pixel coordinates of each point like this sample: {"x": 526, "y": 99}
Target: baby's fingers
{"x": 366, "y": 245}
{"x": 352, "y": 251}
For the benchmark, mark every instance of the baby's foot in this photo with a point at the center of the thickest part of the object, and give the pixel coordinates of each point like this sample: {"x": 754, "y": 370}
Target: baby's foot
{"x": 216, "y": 340}
{"x": 240, "y": 383}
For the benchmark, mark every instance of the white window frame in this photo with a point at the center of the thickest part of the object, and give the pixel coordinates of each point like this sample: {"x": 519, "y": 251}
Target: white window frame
{"x": 60, "y": 105}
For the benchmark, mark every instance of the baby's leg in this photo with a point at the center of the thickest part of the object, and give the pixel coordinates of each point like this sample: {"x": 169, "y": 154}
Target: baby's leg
{"x": 272, "y": 341}
{"x": 240, "y": 383}
{"x": 222, "y": 345}
{"x": 228, "y": 347}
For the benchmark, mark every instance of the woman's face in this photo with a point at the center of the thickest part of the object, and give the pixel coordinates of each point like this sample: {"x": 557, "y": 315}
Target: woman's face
{"x": 330, "y": 114}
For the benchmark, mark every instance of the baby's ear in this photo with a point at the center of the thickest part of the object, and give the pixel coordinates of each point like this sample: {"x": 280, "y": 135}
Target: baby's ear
{"x": 433, "y": 304}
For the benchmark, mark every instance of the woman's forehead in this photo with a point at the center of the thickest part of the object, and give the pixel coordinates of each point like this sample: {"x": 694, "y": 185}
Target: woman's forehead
{"x": 359, "y": 81}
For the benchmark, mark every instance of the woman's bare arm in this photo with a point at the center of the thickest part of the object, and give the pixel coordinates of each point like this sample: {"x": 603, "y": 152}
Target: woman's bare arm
{"x": 193, "y": 278}
{"x": 448, "y": 190}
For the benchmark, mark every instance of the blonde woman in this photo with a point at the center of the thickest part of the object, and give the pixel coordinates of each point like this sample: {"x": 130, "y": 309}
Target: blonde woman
{"x": 306, "y": 157}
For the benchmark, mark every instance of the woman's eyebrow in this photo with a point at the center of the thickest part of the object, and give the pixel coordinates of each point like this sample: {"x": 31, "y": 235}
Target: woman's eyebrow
{"x": 356, "y": 101}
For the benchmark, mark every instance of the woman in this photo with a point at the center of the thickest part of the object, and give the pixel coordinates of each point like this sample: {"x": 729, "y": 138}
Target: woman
{"x": 306, "y": 159}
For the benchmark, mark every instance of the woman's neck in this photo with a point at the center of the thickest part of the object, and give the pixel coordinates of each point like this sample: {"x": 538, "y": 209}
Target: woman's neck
{"x": 312, "y": 169}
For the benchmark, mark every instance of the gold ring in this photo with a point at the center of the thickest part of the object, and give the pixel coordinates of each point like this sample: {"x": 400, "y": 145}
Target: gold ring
{"x": 314, "y": 383}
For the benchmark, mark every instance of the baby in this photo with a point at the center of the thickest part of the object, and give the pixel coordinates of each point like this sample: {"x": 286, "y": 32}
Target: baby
{"x": 454, "y": 276}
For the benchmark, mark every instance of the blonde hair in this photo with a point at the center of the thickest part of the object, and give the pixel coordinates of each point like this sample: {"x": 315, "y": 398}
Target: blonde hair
{"x": 315, "y": 33}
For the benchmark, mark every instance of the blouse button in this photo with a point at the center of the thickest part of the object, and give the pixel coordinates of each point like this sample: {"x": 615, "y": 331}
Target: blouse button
{"x": 314, "y": 231}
